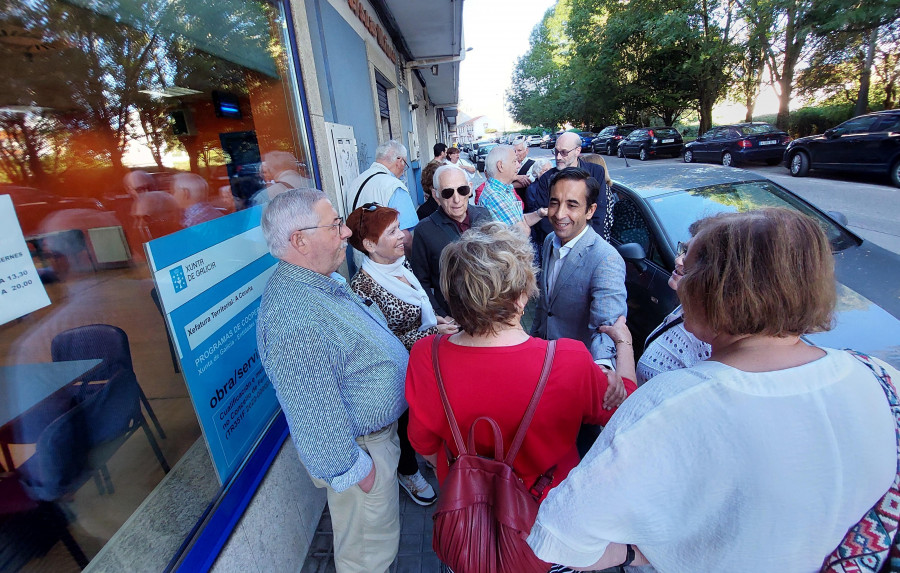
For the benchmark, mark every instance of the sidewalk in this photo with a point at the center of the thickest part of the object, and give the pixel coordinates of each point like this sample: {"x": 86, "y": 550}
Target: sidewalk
{"x": 415, "y": 555}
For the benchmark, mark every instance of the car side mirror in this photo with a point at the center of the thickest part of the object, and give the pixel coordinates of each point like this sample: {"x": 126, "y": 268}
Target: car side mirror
{"x": 633, "y": 253}
{"x": 839, "y": 217}
{"x": 831, "y": 134}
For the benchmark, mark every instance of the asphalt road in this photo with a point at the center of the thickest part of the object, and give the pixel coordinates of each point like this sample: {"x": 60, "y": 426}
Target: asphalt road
{"x": 871, "y": 204}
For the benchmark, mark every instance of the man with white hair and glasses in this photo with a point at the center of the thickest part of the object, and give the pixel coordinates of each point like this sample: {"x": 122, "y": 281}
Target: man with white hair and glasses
{"x": 498, "y": 197}
{"x": 338, "y": 372}
{"x": 454, "y": 216}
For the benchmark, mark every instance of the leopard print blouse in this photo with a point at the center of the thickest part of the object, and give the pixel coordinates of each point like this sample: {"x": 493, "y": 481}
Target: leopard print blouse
{"x": 403, "y": 319}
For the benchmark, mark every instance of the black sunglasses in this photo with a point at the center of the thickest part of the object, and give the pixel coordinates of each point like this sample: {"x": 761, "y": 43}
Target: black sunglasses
{"x": 463, "y": 190}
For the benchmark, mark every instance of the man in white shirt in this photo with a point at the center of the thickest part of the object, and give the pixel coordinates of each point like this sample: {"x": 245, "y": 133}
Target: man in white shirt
{"x": 381, "y": 184}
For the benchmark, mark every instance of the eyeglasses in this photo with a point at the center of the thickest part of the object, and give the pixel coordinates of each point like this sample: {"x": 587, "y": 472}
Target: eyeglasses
{"x": 337, "y": 225}
{"x": 463, "y": 190}
{"x": 681, "y": 249}
{"x": 563, "y": 152}
{"x": 405, "y": 162}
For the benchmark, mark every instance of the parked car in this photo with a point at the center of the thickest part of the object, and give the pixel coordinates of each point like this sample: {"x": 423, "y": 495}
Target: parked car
{"x": 735, "y": 144}
{"x": 607, "y": 141}
{"x": 586, "y": 138}
{"x": 647, "y": 142}
{"x": 473, "y": 153}
{"x": 483, "y": 150}
{"x": 868, "y": 143}
{"x": 549, "y": 140}
{"x": 533, "y": 140}
{"x": 655, "y": 206}
{"x": 516, "y": 138}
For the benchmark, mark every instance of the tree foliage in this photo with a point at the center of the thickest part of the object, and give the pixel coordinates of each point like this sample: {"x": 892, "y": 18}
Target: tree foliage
{"x": 596, "y": 62}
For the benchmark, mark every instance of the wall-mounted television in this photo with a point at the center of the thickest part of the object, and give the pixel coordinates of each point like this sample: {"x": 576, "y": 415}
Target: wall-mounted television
{"x": 226, "y": 105}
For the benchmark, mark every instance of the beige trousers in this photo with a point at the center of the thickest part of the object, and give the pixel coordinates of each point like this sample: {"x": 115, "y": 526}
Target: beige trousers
{"x": 367, "y": 525}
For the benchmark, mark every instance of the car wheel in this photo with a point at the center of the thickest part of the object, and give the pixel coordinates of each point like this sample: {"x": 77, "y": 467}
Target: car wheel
{"x": 642, "y": 154}
{"x": 800, "y": 164}
{"x": 727, "y": 159}
{"x": 620, "y": 152}
{"x": 895, "y": 173}
{"x": 609, "y": 149}
{"x": 688, "y": 156}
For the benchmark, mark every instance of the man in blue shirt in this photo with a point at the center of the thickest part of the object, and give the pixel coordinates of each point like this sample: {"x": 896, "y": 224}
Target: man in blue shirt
{"x": 338, "y": 372}
{"x": 501, "y": 168}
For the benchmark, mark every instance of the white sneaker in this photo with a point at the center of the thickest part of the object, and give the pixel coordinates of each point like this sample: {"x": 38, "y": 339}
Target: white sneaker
{"x": 418, "y": 489}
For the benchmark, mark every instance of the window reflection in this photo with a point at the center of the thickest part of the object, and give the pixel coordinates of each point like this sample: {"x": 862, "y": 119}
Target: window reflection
{"x": 121, "y": 121}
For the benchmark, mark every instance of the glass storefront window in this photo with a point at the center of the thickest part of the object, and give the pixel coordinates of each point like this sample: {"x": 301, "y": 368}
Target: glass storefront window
{"x": 120, "y": 121}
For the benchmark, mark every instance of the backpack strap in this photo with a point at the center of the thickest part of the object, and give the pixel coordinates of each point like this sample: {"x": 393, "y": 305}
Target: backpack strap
{"x": 369, "y": 178}
{"x": 532, "y": 406}
{"x": 454, "y": 427}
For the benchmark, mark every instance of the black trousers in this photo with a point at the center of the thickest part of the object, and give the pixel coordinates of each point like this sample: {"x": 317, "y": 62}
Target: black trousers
{"x": 408, "y": 464}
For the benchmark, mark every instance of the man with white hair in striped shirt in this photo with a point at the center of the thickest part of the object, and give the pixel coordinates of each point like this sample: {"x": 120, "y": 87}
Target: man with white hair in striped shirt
{"x": 338, "y": 371}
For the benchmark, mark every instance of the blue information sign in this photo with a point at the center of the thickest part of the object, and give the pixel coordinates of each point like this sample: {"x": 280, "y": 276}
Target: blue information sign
{"x": 210, "y": 278}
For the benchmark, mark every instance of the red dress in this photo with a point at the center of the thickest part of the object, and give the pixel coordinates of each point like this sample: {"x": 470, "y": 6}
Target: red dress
{"x": 498, "y": 382}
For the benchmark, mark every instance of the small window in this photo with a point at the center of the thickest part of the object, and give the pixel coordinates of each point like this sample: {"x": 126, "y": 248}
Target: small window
{"x": 889, "y": 123}
{"x": 862, "y": 124}
{"x": 629, "y": 226}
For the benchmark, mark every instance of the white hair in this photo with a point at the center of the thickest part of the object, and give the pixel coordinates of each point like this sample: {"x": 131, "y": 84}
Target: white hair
{"x": 436, "y": 180}
{"x": 496, "y": 154}
{"x": 539, "y": 166}
{"x": 287, "y": 212}
{"x": 390, "y": 150}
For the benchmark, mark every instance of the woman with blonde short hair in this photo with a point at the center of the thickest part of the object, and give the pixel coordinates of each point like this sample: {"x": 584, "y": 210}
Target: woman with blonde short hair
{"x": 492, "y": 366}
{"x": 757, "y": 459}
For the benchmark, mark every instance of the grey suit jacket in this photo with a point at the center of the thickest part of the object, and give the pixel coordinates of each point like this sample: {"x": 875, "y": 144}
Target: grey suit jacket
{"x": 589, "y": 291}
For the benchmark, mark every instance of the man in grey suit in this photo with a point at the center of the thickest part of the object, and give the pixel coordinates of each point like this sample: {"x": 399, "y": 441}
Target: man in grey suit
{"x": 582, "y": 285}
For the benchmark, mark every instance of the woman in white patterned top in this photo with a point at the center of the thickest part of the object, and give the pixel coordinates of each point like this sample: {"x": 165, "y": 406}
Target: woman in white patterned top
{"x": 669, "y": 346}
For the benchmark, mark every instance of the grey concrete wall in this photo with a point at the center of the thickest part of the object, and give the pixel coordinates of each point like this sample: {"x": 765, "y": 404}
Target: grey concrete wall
{"x": 277, "y": 527}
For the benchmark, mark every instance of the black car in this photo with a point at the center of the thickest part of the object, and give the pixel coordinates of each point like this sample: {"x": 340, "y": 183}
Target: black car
{"x": 586, "y": 138}
{"x": 647, "y": 142}
{"x": 549, "y": 140}
{"x": 483, "y": 150}
{"x": 607, "y": 141}
{"x": 735, "y": 144}
{"x": 868, "y": 143}
{"x": 655, "y": 206}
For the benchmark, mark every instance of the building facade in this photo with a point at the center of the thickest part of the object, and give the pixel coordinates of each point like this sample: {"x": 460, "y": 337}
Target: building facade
{"x": 127, "y": 122}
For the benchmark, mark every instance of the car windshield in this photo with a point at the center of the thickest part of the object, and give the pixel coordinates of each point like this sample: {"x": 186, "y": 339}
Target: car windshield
{"x": 757, "y": 129}
{"x": 677, "y": 211}
{"x": 483, "y": 149}
{"x": 588, "y": 134}
{"x": 665, "y": 132}
{"x": 626, "y": 130}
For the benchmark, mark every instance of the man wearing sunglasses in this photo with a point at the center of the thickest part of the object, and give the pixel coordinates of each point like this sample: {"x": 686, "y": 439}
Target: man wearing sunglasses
{"x": 381, "y": 184}
{"x": 454, "y": 216}
{"x": 568, "y": 154}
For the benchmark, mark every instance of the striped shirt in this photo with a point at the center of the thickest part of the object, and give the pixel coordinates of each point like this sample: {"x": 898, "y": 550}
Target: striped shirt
{"x": 501, "y": 201}
{"x": 337, "y": 369}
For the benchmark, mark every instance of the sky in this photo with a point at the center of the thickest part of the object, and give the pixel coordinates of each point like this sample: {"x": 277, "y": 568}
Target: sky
{"x": 498, "y": 32}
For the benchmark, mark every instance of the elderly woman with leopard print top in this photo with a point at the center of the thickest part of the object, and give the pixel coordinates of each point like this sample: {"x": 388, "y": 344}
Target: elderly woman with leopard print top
{"x": 387, "y": 280}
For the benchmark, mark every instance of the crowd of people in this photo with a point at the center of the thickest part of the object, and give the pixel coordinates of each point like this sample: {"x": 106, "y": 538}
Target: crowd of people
{"x": 732, "y": 444}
